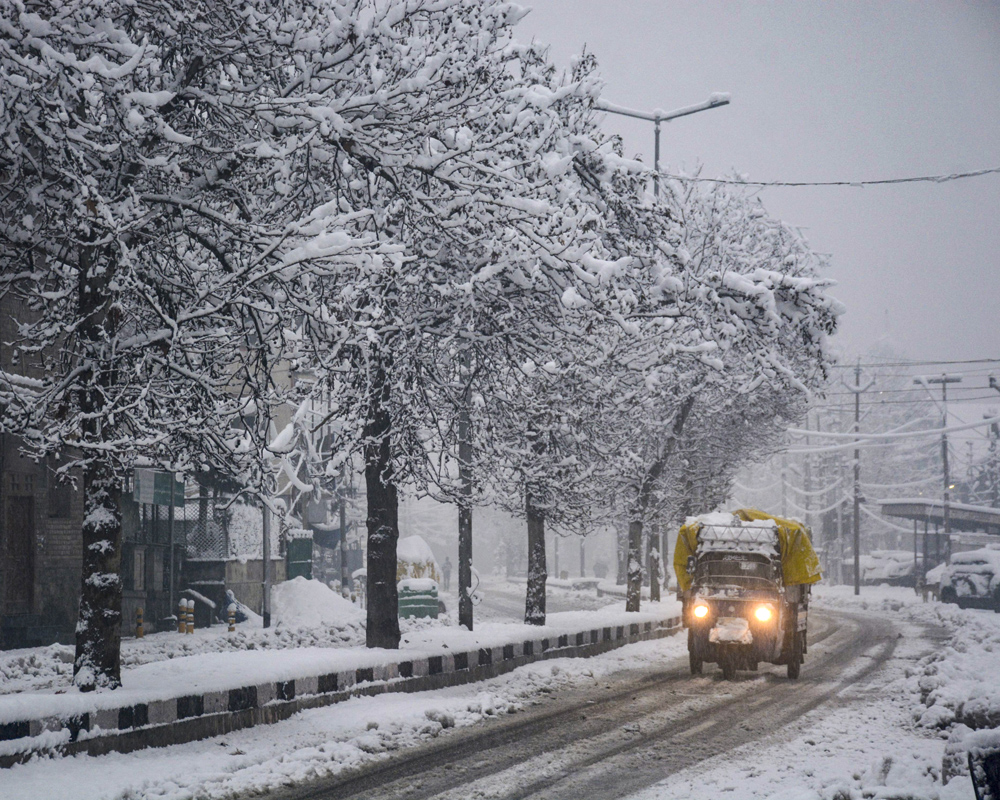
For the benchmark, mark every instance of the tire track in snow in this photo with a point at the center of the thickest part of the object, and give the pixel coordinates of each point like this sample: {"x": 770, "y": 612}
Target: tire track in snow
{"x": 633, "y": 733}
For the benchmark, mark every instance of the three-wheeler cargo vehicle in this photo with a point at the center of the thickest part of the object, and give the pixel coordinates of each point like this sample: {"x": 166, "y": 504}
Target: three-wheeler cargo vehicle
{"x": 744, "y": 579}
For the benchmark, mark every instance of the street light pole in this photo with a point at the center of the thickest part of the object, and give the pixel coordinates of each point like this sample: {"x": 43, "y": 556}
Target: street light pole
{"x": 715, "y": 100}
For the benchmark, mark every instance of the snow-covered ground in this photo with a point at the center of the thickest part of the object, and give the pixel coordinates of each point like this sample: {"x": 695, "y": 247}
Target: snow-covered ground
{"x": 304, "y": 613}
{"x": 884, "y": 737}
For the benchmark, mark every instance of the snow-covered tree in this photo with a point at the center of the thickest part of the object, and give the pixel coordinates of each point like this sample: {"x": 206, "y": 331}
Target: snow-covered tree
{"x": 504, "y": 225}
{"x": 745, "y": 313}
{"x": 160, "y": 171}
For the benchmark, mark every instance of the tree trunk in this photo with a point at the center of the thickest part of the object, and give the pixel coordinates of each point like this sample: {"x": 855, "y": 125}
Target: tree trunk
{"x": 633, "y": 592}
{"x": 383, "y": 521}
{"x": 665, "y": 557}
{"x": 534, "y": 603}
{"x": 98, "y": 631}
{"x": 621, "y": 550}
{"x": 647, "y": 545}
{"x": 654, "y": 563}
{"x": 465, "y": 567}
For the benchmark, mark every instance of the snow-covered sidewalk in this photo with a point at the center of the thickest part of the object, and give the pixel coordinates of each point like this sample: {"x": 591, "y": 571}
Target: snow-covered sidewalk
{"x": 315, "y": 743}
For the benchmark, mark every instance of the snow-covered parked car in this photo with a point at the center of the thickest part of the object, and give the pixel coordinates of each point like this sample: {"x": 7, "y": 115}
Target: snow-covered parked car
{"x": 891, "y": 567}
{"x": 973, "y": 579}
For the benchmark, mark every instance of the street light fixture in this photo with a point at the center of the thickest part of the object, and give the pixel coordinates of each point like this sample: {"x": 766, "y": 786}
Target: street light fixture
{"x": 715, "y": 100}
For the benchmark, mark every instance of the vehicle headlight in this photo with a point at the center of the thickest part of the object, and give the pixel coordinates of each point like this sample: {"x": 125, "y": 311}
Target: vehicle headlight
{"x": 701, "y": 611}
{"x": 763, "y": 613}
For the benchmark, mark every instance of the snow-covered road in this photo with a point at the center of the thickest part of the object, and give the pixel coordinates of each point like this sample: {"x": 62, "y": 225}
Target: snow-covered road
{"x": 630, "y": 732}
{"x": 629, "y": 723}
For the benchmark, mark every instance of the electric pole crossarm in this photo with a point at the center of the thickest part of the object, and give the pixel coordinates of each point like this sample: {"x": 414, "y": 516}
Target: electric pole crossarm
{"x": 859, "y": 389}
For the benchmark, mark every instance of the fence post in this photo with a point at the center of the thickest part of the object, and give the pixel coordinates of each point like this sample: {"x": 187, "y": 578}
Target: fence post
{"x": 190, "y": 616}
{"x": 232, "y": 617}
{"x": 181, "y": 615}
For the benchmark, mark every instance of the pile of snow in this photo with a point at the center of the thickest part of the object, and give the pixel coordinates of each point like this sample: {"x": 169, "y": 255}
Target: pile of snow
{"x": 22, "y": 670}
{"x": 304, "y": 618}
{"x": 426, "y": 585}
{"x": 958, "y": 684}
{"x": 302, "y": 603}
{"x": 415, "y": 559}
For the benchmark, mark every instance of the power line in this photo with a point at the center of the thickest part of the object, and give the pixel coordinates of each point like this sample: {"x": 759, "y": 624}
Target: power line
{"x": 957, "y": 401}
{"x": 918, "y": 363}
{"x": 954, "y": 176}
{"x": 911, "y": 390}
{"x": 920, "y": 482}
{"x": 856, "y": 436}
{"x": 884, "y": 521}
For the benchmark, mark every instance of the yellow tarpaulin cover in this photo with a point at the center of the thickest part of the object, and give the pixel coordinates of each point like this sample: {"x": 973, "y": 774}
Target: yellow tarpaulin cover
{"x": 799, "y": 563}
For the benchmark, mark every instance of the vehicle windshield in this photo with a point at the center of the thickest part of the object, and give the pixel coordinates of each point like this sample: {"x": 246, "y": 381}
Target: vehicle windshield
{"x": 742, "y": 569}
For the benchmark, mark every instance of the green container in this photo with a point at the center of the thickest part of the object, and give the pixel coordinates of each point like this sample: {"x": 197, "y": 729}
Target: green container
{"x": 299, "y": 558}
{"x": 418, "y": 603}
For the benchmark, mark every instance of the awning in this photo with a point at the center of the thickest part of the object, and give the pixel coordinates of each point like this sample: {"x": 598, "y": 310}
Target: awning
{"x": 961, "y": 517}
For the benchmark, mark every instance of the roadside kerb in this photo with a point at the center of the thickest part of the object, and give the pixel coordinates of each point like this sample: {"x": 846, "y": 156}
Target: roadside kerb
{"x": 190, "y": 718}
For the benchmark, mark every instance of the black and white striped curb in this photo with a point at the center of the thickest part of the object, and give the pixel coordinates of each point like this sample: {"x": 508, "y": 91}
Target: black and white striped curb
{"x": 185, "y": 719}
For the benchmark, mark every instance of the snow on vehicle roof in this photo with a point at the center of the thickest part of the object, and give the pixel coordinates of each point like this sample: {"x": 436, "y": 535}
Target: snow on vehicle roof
{"x": 986, "y": 555}
{"x": 721, "y": 531}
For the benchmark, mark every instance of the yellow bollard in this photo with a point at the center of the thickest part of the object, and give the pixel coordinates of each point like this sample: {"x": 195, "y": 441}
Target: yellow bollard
{"x": 139, "y": 630}
{"x": 182, "y": 615}
{"x": 190, "y": 616}
{"x": 232, "y": 617}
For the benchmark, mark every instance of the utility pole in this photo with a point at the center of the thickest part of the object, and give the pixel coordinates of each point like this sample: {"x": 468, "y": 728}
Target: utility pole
{"x": 656, "y": 117}
{"x": 857, "y": 389}
{"x": 840, "y": 541}
{"x": 992, "y": 463}
{"x": 857, "y": 482}
{"x": 944, "y": 380}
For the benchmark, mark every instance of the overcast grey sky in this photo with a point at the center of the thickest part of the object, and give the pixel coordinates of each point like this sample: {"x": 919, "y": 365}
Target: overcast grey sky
{"x": 831, "y": 91}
